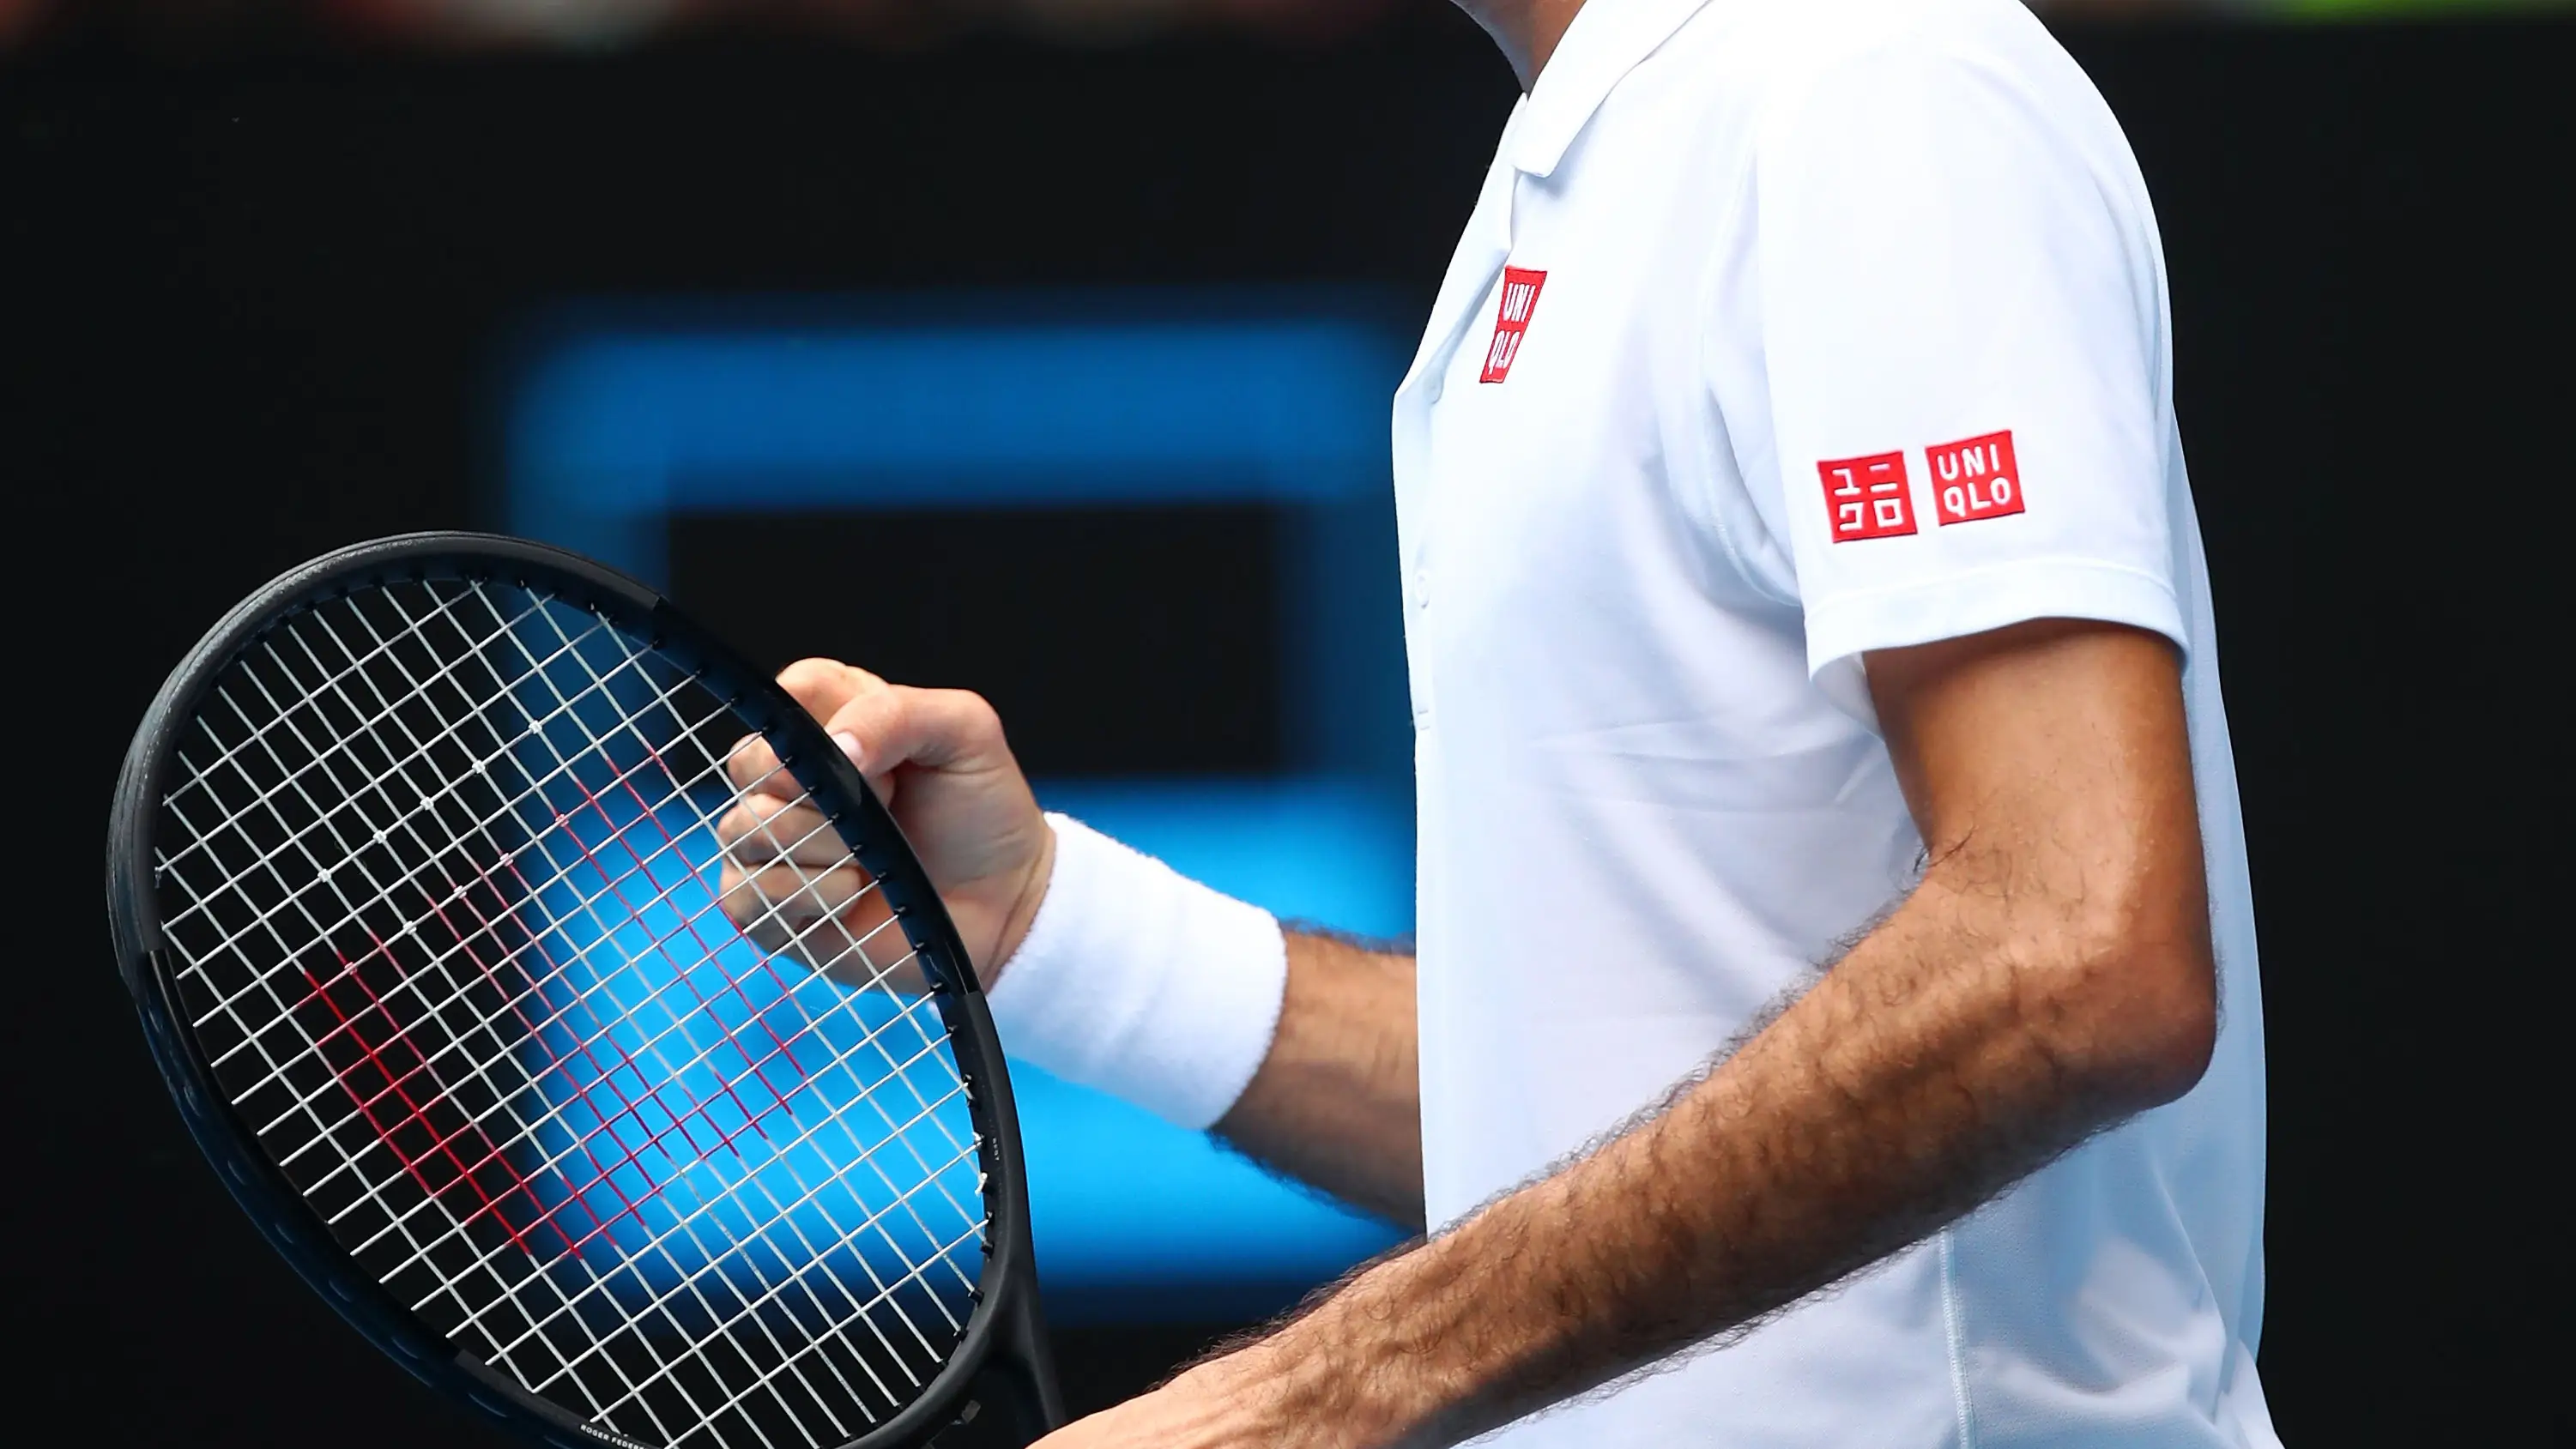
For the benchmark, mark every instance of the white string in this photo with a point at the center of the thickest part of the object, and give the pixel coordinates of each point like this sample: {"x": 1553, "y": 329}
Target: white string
{"x": 807, "y": 884}
{"x": 451, "y": 789}
{"x": 480, "y": 1069}
{"x": 351, "y": 737}
{"x": 785, "y": 1155}
{"x": 450, "y": 1285}
{"x": 409, "y": 833}
{"x": 537, "y": 984}
{"x": 663, "y": 1105}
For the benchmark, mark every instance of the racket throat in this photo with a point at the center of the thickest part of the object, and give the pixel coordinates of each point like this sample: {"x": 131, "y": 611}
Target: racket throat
{"x": 1016, "y": 1384}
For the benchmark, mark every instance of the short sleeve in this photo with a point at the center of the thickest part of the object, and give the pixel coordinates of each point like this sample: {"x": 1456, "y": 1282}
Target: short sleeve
{"x": 1961, "y": 336}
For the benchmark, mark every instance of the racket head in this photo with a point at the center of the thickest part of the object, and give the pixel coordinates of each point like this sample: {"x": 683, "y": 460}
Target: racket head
{"x": 997, "y": 1359}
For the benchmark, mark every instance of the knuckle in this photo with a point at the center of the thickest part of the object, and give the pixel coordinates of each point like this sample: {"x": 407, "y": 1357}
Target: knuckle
{"x": 750, "y": 760}
{"x": 949, "y": 711}
{"x": 824, "y": 686}
{"x": 807, "y": 675}
{"x": 973, "y": 716}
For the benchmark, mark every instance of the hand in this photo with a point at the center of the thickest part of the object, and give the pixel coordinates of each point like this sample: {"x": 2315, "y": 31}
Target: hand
{"x": 937, "y": 758}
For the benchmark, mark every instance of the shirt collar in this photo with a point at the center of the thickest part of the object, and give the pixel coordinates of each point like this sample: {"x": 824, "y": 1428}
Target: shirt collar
{"x": 1606, "y": 41}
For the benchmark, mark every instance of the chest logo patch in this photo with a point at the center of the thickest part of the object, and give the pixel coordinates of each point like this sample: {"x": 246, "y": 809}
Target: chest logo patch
{"x": 1975, "y": 478}
{"x": 1867, "y": 497}
{"x": 1520, "y": 299}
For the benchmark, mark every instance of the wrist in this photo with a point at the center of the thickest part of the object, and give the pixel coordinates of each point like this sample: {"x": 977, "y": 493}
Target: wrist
{"x": 1280, "y": 1394}
{"x": 1334, "y": 1379}
{"x": 1027, "y": 899}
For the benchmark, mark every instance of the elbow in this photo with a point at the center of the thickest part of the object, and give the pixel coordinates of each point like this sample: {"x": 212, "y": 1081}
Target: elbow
{"x": 2171, "y": 1041}
{"x": 2138, "y": 1018}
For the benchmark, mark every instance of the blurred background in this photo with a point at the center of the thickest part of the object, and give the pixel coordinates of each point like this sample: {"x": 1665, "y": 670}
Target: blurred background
{"x": 1044, "y": 347}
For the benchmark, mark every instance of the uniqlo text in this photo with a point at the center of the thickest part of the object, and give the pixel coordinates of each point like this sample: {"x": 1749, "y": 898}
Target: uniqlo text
{"x": 1520, "y": 298}
{"x": 1975, "y": 478}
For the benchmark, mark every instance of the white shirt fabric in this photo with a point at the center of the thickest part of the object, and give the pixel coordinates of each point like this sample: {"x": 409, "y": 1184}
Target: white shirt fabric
{"x": 1781, "y": 241}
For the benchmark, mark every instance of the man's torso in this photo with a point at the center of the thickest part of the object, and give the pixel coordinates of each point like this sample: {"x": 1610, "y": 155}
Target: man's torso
{"x": 1641, "y": 820}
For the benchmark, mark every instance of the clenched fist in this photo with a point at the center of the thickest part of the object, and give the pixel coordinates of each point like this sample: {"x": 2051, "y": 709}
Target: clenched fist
{"x": 937, "y": 758}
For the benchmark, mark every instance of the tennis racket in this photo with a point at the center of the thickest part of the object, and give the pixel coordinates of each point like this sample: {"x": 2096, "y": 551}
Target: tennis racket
{"x": 414, "y": 877}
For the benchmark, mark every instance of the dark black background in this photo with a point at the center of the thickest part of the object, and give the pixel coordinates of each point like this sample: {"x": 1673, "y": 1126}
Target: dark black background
{"x": 252, "y": 307}
{"x": 1141, "y": 642}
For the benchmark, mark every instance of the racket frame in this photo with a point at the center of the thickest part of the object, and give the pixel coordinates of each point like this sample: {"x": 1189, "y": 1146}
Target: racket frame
{"x": 1002, "y": 1364}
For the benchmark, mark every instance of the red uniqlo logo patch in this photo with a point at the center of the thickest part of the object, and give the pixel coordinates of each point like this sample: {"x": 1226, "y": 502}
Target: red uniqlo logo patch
{"x": 1520, "y": 298}
{"x": 1975, "y": 478}
{"x": 1867, "y": 497}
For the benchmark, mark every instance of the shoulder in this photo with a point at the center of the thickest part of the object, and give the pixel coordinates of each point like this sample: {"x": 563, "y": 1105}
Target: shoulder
{"x": 1768, "y": 59}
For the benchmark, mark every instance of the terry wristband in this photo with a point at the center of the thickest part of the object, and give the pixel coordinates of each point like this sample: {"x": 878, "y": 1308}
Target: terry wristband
{"x": 1141, "y": 982}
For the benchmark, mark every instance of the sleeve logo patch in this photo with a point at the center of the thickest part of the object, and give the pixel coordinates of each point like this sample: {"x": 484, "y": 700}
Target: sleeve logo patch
{"x": 1975, "y": 478}
{"x": 1520, "y": 299}
{"x": 1867, "y": 497}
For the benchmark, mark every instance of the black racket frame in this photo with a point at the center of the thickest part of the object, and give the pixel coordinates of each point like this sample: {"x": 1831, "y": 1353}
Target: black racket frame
{"x": 1002, "y": 1365}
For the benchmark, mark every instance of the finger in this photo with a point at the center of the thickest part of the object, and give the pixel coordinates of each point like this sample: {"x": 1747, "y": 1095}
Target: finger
{"x": 776, "y": 904}
{"x": 823, "y": 686}
{"x": 761, "y": 829}
{"x": 753, "y": 766}
{"x": 836, "y": 922}
{"x": 895, "y": 725}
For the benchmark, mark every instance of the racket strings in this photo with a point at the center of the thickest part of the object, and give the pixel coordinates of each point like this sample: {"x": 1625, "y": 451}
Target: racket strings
{"x": 397, "y": 1144}
{"x": 367, "y": 1105}
{"x": 439, "y": 875}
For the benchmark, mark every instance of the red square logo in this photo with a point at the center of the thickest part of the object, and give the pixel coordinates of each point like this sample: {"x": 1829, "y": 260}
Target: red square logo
{"x": 1974, "y": 478}
{"x": 1867, "y": 497}
{"x": 1520, "y": 299}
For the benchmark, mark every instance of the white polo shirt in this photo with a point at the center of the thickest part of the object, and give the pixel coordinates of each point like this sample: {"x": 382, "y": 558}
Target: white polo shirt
{"x": 1786, "y": 330}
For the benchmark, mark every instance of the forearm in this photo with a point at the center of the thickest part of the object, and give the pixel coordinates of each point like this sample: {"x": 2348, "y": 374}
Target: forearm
{"x": 1930, "y": 1068}
{"x": 1337, "y": 1100}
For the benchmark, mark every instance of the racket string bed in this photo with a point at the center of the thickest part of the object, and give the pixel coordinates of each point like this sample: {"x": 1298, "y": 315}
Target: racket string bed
{"x": 392, "y": 1146}
{"x": 502, "y": 1353}
{"x": 439, "y": 870}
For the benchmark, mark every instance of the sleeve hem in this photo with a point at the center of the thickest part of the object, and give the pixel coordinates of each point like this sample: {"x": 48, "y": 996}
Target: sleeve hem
{"x": 1841, "y": 629}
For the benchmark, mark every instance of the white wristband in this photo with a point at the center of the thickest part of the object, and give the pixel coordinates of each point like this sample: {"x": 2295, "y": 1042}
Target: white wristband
{"x": 1141, "y": 982}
